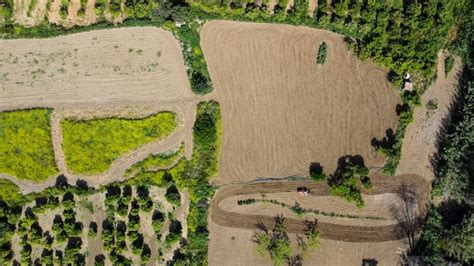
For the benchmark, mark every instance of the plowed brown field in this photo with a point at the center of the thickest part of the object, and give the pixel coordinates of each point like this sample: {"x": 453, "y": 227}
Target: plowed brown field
{"x": 118, "y": 67}
{"x": 340, "y": 232}
{"x": 281, "y": 111}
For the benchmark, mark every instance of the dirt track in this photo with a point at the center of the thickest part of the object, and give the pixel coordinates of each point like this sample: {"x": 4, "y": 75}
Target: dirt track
{"x": 328, "y": 231}
{"x": 281, "y": 111}
{"x": 420, "y": 141}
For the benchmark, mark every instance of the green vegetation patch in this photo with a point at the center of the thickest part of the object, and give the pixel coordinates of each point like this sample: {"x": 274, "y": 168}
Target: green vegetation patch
{"x": 300, "y": 211}
{"x": 91, "y": 146}
{"x": 156, "y": 162}
{"x": 322, "y": 54}
{"x": 346, "y": 181}
{"x": 448, "y": 64}
{"x": 26, "y": 150}
{"x": 276, "y": 244}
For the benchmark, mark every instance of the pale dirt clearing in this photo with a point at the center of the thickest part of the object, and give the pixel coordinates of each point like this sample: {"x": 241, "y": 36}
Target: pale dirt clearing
{"x": 233, "y": 246}
{"x": 420, "y": 141}
{"x": 117, "y": 67}
{"x": 281, "y": 111}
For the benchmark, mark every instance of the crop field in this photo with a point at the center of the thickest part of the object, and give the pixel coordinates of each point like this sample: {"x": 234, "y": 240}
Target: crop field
{"x": 91, "y": 146}
{"x": 281, "y": 110}
{"x": 234, "y": 132}
{"x": 116, "y": 67}
{"x": 67, "y": 13}
{"x": 26, "y": 150}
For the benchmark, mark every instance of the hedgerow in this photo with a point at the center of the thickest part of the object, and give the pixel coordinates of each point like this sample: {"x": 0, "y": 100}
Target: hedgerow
{"x": 91, "y": 146}
{"x": 26, "y": 150}
{"x": 298, "y": 210}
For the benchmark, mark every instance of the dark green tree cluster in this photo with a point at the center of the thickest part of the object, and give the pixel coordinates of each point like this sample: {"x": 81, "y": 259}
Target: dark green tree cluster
{"x": 276, "y": 244}
{"x": 113, "y": 238}
{"x": 345, "y": 181}
{"x": 9, "y": 217}
{"x": 448, "y": 230}
{"x": 174, "y": 233}
{"x": 195, "y": 177}
{"x": 172, "y": 195}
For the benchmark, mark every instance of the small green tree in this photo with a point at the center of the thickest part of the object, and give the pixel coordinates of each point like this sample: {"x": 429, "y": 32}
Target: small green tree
{"x": 322, "y": 54}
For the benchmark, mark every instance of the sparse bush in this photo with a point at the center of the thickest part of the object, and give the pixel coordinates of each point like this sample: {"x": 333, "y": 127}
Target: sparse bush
{"x": 246, "y": 202}
{"x": 172, "y": 195}
{"x": 322, "y": 54}
{"x": 174, "y": 234}
{"x": 448, "y": 64}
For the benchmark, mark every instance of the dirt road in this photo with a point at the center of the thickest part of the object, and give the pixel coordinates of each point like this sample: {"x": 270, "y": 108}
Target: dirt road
{"x": 328, "y": 231}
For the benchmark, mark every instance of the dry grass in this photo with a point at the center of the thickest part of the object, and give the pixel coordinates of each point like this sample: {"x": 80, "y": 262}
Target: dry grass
{"x": 281, "y": 111}
{"x": 140, "y": 65}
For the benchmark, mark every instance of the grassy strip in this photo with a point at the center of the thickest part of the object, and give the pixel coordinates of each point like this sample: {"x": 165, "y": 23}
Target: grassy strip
{"x": 410, "y": 101}
{"x": 156, "y": 162}
{"x": 26, "y": 150}
{"x": 91, "y": 146}
{"x": 196, "y": 176}
{"x": 298, "y": 210}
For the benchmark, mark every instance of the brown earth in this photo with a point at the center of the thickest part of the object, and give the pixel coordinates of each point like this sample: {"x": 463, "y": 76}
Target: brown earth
{"x": 340, "y": 232}
{"x": 281, "y": 111}
{"x": 233, "y": 247}
{"x": 117, "y": 67}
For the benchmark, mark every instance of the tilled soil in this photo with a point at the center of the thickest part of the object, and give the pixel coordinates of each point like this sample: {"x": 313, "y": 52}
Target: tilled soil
{"x": 347, "y": 233}
{"x": 281, "y": 110}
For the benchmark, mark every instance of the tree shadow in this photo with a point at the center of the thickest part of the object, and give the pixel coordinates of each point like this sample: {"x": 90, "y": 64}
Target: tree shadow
{"x": 82, "y": 184}
{"x": 342, "y": 164}
{"x": 386, "y": 142}
{"x": 369, "y": 262}
{"x": 316, "y": 169}
{"x": 61, "y": 181}
{"x": 407, "y": 214}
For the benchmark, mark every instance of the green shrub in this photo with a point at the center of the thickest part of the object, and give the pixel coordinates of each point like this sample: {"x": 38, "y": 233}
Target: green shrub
{"x": 322, "y": 54}
{"x": 26, "y": 150}
{"x": 91, "y": 146}
{"x": 448, "y": 64}
{"x": 172, "y": 195}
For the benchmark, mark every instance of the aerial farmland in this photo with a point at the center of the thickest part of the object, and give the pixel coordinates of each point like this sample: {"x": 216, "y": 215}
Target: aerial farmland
{"x": 305, "y": 132}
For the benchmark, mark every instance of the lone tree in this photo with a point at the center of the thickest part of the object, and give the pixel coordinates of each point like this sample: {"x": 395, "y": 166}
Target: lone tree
{"x": 276, "y": 243}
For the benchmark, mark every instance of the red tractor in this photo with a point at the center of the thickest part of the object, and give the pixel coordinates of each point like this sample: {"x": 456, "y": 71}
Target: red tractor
{"x": 304, "y": 191}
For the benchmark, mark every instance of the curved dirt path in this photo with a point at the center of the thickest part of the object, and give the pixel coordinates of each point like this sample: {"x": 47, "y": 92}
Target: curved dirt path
{"x": 345, "y": 233}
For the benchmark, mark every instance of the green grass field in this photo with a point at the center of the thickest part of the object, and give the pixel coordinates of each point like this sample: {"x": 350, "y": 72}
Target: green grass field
{"x": 26, "y": 151}
{"x": 91, "y": 146}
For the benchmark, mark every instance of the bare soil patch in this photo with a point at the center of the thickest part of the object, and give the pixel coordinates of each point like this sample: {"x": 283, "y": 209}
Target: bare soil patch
{"x": 233, "y": 246}
{"x": 420, "y": 142}
{"x": 114, "y": 67}
{"x": 281, "y": 110}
